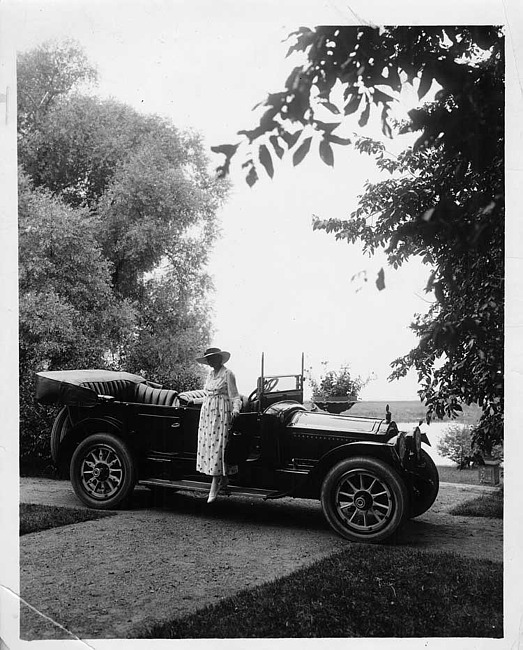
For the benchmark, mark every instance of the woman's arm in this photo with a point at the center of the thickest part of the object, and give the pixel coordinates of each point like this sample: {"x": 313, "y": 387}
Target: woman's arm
{"x": 234, "y": 395}
{"x": 197, "y": 400}
{"x": 193, "y": 396}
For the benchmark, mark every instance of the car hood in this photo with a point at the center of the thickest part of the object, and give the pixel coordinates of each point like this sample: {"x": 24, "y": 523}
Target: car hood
{"x": 339, "y": 423}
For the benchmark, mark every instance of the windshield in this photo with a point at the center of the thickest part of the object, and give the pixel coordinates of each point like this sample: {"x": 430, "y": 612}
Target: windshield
{"x": 281, "y": 383}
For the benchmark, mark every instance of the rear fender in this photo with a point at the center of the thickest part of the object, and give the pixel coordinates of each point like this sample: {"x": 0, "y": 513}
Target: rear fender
{"x": 81, "y": 430}
{"x": 383, "y": 452}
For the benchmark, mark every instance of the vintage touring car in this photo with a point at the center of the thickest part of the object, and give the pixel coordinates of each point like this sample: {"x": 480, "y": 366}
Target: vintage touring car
{"x": 116, "y": 430}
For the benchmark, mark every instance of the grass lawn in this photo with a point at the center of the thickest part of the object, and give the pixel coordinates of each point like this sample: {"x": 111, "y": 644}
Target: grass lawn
{"x": 365, "y": 591}
{"x": 35, "y": 517}
{"x": 451, "y": 474}
{"x": 486, "y": 505}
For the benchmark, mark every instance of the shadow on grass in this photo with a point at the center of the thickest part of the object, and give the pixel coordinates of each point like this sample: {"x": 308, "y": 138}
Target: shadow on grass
{"x": 35, "y": 517}
{"x": 486, "y": 505}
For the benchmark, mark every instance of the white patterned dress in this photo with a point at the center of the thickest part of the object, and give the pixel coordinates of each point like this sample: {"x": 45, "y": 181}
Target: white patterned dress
{"x": 221, "y": 399}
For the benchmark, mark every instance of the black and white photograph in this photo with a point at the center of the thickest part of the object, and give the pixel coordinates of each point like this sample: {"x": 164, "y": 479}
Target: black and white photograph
{"x": 261, "y": 314}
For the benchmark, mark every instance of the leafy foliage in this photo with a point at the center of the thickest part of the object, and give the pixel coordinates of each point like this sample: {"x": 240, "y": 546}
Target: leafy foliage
{"x": 369, "y": 67}
{"x": 148, "y": 183}
{"x": 173, "y": 329}
{"x": 68, "y": 315}
{"x": 336, "y": 383}
{"x": 443, "y": 199}
{"x": 45, "y": 74}
{"x": 68, "y": 312}
{"x": 117, "y": 215}
{"x": 456, "y": 444}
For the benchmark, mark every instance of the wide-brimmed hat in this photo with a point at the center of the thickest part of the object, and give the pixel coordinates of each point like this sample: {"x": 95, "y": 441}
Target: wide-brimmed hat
{"x": 212, "y": 351}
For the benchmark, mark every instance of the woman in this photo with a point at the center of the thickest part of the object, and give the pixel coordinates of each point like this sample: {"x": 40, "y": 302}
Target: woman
{"x": 220, "y": 407}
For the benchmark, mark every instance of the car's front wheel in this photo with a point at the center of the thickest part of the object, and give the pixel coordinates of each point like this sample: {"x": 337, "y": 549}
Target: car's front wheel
{"x": 364, "y": 499}
{"x": 102, "y": 471}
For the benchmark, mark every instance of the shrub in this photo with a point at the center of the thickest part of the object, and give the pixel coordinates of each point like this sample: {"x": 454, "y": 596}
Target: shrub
{"x": 456, "y": 444}
{"x": 36, "y": 422}
{"x": 336, "y": 383}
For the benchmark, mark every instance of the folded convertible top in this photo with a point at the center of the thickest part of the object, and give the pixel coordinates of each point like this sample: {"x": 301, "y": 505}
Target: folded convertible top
{"x": 73, "y": 387}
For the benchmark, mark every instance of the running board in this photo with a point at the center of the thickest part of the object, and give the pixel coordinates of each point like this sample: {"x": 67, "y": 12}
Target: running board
{"x": 203, "y": 486}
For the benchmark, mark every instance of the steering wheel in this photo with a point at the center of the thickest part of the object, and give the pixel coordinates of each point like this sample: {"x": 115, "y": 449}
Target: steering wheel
{"x": 268, "y": 385}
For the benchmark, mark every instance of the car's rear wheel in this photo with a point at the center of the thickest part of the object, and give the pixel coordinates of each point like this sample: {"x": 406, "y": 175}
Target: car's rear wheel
{"x": 103, "y": 473}
{"x": 424, "y": 491}
{"x": 364, "y": 499}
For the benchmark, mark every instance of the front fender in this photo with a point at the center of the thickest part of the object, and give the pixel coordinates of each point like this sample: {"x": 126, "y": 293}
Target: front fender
{"x": 382, "y": 451}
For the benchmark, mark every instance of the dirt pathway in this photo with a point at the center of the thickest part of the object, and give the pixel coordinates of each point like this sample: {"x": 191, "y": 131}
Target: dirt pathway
{"x": 106, "y": 578}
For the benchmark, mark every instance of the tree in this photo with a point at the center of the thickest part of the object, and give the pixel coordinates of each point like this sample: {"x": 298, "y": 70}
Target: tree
{"x": 46, "y": 73}
{"x": 65, "y": 284}
{"x": 76, "y": 149}
{"x": 117, "y": 215}
{"x": 173, "y": 328}
{"x": 444, "y": 199}
{"x": 68, "y": 314}
{"x": 147, "y": 181}
{"x": 157, "y": 208}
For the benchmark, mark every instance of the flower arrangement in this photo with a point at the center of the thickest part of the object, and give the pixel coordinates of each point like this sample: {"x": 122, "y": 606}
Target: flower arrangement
{"x": 336, "y": 384}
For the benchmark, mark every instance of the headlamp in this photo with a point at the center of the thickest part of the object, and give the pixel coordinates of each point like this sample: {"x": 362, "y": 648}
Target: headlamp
{"x": 401, "y": 445}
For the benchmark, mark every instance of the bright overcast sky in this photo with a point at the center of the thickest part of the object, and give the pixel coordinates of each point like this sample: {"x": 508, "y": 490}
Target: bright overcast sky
{"x": 280, "y": 287}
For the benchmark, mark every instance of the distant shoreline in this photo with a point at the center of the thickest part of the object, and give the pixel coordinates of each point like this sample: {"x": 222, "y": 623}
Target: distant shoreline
{"x": 409, "y": 411}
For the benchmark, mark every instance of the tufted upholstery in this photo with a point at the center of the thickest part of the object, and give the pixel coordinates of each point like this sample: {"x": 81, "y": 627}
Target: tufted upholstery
{"x": 120, "y": 389}
{"x": 158, "y": 396}
{"x": 128, "y": 391}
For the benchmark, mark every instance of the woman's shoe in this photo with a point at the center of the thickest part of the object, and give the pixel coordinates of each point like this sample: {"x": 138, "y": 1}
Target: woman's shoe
{"x": 215, "y": 488}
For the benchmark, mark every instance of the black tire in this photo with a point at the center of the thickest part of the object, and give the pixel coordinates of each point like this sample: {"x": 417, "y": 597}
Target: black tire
{"x": 103, "y": 472}
{"x": 364, "y": 499}
{"x": 423, "y": 493}
{"x": 61, "y": 426}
